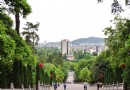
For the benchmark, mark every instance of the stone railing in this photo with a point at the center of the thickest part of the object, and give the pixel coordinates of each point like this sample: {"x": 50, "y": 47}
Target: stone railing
{"x": 40, "y": 87}
{"x": 22, "y": 87}
{"x": 118, "y": 86}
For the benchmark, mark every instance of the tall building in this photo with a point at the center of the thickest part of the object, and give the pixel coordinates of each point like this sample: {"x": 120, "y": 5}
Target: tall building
{"x": 65, "y": 47}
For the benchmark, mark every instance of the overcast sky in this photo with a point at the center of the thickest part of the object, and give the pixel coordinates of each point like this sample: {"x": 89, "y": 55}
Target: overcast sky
{"x": 70, "y": 19}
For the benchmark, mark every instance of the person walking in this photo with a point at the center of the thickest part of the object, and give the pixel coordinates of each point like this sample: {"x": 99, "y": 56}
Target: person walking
{"x": 98, "y": 86}
{"x": 64, "y": 86}
{"x": 85, "y": 86}
{"x": 55, "y": 86}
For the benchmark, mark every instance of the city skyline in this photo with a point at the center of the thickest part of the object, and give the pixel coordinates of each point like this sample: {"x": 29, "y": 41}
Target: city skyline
{"x": 70, "y": 19}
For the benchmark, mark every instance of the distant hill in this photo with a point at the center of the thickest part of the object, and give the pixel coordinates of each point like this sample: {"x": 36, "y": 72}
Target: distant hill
{"x": 88, "y": 40}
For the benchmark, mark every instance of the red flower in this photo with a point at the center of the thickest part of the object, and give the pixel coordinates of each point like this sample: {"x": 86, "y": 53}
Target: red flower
{"x": 40, "y": 65}
{"x": 123, "y": 66}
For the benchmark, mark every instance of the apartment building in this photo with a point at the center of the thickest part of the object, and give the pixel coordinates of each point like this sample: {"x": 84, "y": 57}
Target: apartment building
{"x": 65, "y": 47}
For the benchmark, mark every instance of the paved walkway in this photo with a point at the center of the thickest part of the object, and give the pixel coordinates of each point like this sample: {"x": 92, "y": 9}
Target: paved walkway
{"x": 80, "y": 87}
{"x": 76, "y": 87}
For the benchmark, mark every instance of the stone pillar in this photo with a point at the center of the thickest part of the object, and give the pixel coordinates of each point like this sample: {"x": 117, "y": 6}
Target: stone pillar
{"x": 12, "y": 86}
{"x": 22, "y": 86}
{"x": 113, "y": 85}
{"x": 34, "y": 87}
{"x": 109, "y": 86}
{"x": 123, "y": 85}
{"x": 38, "y": 85}
{"x": 117, "y": 85}
{"x": 29, "y": 87}
{"x": 103, "y": 87}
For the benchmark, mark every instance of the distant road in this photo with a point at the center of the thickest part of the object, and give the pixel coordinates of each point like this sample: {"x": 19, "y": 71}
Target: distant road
{"x": 70, "y": 78}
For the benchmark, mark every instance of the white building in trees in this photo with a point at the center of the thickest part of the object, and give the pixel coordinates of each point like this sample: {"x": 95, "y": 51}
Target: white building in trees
{"x": 65, "y": 47}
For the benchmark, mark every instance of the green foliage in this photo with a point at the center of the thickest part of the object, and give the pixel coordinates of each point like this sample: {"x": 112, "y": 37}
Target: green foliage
{"x": 5, "y": 21}
{"x": 126, "y": 74}
{"x": 3, "y": 75}
{"x": 80, "y": 65}
{"x": 16, "y": 7}
{"x": 100, "y": 67}
{"x": 80, "y": 54}
{"x": 53, "y": 65}
{"x": 116, "y": 40}
{"x": 69, "y": 65}
{"x": 30, "y": 75}
{"x": 14, "y": 55}
{"x": 30, "y": 34}
{"x": 7, "y": 46}
{"x": 117, "y": 53}
{"x": 65, "y": 71}
{"x": 26, "y": 81}
{"x": 58, "y": 73}
{"x": 52, "y": 55}
{"x": 84, "y": 75}
{"x": 16, "y": 74}
{"x": 20, "y": 6}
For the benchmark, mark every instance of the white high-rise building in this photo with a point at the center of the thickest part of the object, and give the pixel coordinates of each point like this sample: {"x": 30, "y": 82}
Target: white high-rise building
{"x": 65, "y": 47}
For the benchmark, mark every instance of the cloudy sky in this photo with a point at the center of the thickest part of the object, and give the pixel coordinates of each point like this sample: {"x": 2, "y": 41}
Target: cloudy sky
{"x": 70, "y": 19}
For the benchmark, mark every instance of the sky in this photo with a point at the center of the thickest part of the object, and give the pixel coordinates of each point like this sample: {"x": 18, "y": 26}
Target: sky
{"x": 70, "y": 19}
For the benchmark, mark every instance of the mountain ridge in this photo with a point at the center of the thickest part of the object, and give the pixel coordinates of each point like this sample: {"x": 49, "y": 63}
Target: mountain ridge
{"x": 88, "y": 40}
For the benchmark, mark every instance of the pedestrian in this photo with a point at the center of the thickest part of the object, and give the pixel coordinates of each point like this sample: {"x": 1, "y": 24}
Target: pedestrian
{"x": 85, "y": 86}
{"x": 55, "y": 86}
{"x": 58, "y": 84}
{"x": 64, "y": 86}
{"x": 98, "y": 86}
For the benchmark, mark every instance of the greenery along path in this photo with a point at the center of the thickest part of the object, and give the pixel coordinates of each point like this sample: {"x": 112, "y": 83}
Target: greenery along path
{"x": 21, "y": 60}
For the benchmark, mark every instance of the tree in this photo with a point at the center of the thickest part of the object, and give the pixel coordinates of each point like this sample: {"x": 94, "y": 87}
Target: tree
{"x": 85, "y": 75}
{"x": 30, "y": 33}
{"x": 14, "y": 53}
{"x": 7, "y": 45}
{"x": 18, "y": 7}
{"x": 81, "y": 54}
{"x": 99, "y": 67}
{"x": 118, "y": 46}
{"x": 3, "y": 75}
{"x": 116, "y": 7}
{"x": 16, "y": 74}
{"x": 79, "y": 66}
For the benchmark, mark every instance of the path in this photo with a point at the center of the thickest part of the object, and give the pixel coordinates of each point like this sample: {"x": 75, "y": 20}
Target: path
{"x": 76, "y": 87}
{"x": 79, "y": 87}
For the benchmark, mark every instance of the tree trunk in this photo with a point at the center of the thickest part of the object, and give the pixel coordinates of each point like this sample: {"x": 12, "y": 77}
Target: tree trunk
{"x": 37, "y": 76}
{"x": 17, "y": 23}
{"x": 125, "y": 86}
